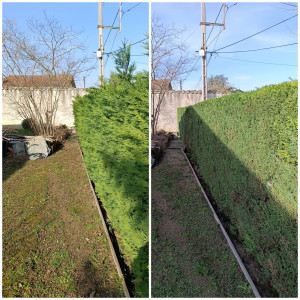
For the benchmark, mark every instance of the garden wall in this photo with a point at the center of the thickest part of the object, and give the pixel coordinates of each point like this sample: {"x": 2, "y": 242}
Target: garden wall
{"x": 245, "y": 145}
{"x": 64, "y": 112}
{"x": 167, "y": 119}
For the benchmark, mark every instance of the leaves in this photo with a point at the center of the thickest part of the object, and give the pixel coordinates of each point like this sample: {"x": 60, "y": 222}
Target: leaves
{"x": 245, "y": 145}
{"x": 112, "y": 124}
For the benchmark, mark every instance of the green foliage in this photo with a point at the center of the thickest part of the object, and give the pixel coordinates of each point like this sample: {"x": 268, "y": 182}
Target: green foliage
{"x": 26, "y": 124}
{"x": 219, "y": 83}
{"x": 246, "y": 147}
{"x": 112, "y": 124}
{"x": 122, "y": 60}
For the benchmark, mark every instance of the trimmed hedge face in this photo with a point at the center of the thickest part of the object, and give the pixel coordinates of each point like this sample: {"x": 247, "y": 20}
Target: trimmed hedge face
{"x": 112, "y": 124}
{"x": 245, "y": 145}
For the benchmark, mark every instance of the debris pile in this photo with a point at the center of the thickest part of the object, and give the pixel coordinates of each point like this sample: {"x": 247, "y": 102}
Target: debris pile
{"x": 35, "y": 147}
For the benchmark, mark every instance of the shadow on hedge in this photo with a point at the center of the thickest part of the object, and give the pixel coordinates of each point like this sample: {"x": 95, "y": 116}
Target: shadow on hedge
{"x": 249, "y": 211}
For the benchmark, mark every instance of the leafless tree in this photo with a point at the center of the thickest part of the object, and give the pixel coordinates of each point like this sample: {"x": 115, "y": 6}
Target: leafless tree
{"x": 170, "y": 61}
{"x": 40, "y": 63}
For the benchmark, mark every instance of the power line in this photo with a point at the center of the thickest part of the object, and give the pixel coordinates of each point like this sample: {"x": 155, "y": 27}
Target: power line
{"x": 131, "y": 8}
{"x": 192, "y": 68}
{"x": 215, "y": 22}
{"x": 130, "y": 45}
{"x": 279, "y": 46}
{"x": 289, "y": 4}
{"x": 111, "y": 28}
{"x": 258, "y": 62}
{"x": 258, "y": 32}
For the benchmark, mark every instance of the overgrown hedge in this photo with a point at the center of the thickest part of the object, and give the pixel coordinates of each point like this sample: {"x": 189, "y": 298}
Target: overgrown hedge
{"x": 245, "y": 145}
{"x": 112, "y": 125}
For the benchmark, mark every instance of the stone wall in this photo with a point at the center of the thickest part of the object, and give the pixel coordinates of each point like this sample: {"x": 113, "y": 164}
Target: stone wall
{"x": 167, "y": 119}
{"x": 64, "y": 115}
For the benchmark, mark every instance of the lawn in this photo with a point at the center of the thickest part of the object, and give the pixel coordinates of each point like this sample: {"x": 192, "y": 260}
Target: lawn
{"x": 53, "y": 241}
{"x": 190, "y": 256}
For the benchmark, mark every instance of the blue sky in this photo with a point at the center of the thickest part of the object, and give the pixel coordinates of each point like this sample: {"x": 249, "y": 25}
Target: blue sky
{"x": 84, "y": 16}
{"x": 242, "y": 20}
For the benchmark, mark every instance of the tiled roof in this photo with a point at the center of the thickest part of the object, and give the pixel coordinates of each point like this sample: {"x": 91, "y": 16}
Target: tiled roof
{"x": 39, "y": 81}
{"x": 161, "y": 84}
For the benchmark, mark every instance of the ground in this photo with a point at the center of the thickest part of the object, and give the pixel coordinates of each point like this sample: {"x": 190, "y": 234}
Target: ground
{"x": 190, "y": 256}
{"x": 53, "y": 241}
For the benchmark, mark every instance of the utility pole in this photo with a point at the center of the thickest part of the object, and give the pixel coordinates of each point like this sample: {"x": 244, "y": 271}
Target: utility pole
{"x": 101, "y": 49}
{"x": 204, "y": 61}
{"x": 100, "y": 52}
{"x": 203, "y": 50}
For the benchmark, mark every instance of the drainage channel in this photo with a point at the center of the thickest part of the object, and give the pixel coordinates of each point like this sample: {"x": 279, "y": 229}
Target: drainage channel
{"x": 232, "y": 247}
{"x": 114, "y": 249}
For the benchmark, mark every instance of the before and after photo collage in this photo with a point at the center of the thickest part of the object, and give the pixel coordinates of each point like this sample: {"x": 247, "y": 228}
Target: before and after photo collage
{"x": 149, "y": 149}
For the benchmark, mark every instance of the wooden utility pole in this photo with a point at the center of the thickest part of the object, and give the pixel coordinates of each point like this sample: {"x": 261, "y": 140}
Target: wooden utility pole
{"x": 101, "y": 49}
{"x": 204, "y": 61}
{"x": 203, "y": 50}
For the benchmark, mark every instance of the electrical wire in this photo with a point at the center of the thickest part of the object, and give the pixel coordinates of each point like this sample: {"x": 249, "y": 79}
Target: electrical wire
{"x": 251, "y": 50}
{"x": 111, "y": 28}
{"x": 215, "y": 22}
{"x": 192, "y": 68}
{"x": 130, "y": 45}
{"x": 289, "y": 4}
{"x": 248, "y": 37}
{"x": 131, "y": 8}
{"x": 258, "y": 62}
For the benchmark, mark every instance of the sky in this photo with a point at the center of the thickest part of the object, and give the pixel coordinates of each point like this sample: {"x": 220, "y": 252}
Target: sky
{"x": 83, "y": 16}
{"x": 242, "y": 20}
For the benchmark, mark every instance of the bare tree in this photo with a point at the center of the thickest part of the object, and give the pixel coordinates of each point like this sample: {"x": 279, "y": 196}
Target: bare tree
{"x": 40, "y": 63}
{"x": 170, "y": 61}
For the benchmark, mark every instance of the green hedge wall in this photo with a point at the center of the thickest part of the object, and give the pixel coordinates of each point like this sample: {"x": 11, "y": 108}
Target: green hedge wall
{"x": 112, "y": 125}
{"x": 245, "y": 145}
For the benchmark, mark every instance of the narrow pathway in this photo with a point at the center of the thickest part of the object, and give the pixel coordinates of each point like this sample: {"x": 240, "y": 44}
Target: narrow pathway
{"x": 190, "y": 256}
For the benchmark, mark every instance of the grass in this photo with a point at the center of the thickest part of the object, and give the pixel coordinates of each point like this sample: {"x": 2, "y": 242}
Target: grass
{"x": 22, "y": 132}
{"x": 53, "y": 241}
{"x": 190, "y": 256}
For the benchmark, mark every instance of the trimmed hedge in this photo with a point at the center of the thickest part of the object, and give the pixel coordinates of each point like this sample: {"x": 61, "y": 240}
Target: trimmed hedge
{"x": 112, "y": 125}
{"x": 245, "y": 145}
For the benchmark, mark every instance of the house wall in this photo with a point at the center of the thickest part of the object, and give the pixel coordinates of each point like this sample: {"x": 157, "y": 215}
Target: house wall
{"x": 167, "y": 119}
{"x": 64, "y": 113}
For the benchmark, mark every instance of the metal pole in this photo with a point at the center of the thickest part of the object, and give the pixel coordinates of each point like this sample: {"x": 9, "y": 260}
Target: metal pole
{"x": 204, "y": 63}
{"x": 101, "y": 49}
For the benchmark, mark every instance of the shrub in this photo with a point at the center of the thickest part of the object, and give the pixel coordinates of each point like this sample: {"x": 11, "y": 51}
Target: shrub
{"x": 112, "y": 125}
{"x": 26, "y": 123}
{"x": 245, "y": 145}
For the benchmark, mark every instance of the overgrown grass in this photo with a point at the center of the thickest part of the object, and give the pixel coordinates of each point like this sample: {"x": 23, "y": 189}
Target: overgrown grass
{"x": 53, "y": 241}
{"x": 245, "y": 145}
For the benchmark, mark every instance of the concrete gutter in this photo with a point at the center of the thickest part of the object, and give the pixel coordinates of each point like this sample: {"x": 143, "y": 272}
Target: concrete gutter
{"x": 233, "y": 249}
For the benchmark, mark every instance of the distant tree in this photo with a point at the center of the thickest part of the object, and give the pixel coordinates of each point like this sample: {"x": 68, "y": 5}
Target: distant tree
{"x": 170, "y": 61}
{"x": 219, "y": 83}
{"x": 122, "y": 60}
{"x": 46, "y": 49}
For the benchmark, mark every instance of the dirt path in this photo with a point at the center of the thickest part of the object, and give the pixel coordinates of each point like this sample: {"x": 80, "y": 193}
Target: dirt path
{"x": 190, "y": 256}
{"x": 53, "y": 241}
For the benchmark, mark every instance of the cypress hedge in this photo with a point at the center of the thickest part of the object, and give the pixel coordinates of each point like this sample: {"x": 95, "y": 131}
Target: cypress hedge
{"x": 112, "y": 125}
{"x": 245, "y": 145}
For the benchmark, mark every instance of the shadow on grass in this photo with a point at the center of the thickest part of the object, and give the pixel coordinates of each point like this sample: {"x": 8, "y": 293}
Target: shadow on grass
{"x": 264, "y": 232}
{"x": 12, "y": 163}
